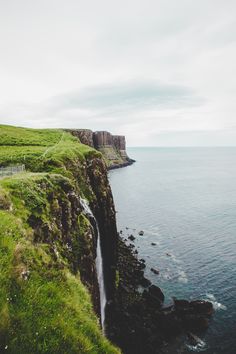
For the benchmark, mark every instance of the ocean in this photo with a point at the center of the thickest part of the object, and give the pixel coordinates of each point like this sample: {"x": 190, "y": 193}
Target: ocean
{"x": 184, "y": 199}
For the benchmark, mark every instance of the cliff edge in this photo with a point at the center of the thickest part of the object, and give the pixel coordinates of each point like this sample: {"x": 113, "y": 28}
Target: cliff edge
{"x": 112, "y": 147}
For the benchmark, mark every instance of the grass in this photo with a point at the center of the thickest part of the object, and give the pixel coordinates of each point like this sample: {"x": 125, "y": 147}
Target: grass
{"x": 44, "y": 307}
{"x": 50, "y": 311}
{"x": 15, "y": 136}
{"x": 40, "y": 149}
{"x": 47, "y": 150}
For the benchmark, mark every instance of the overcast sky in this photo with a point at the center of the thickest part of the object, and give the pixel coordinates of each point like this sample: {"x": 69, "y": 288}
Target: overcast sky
{"x": 162, "y": 72}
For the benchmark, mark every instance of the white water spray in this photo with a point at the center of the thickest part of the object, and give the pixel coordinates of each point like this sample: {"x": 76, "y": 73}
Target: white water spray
{"x": 99, "y": 263}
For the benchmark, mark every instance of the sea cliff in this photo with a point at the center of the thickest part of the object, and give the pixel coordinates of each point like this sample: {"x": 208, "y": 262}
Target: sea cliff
{"x": 49, "y": 294}
{"x": 112, "y": 147}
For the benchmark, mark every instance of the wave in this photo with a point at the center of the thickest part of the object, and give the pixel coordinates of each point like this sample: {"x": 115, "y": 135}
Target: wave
{"x": 199, "y": 347}
{"x": 216, "y": 305}
{"x": 182, "y": 277}
{"x": 176, "y": 260}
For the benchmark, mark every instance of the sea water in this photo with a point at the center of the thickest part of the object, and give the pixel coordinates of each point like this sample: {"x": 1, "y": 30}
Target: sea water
{"x": 184, "y": 199}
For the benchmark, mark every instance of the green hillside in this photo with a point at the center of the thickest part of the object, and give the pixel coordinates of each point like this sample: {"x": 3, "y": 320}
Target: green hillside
{"x": 44, "y": 307}
{"x": 35, "y": 148}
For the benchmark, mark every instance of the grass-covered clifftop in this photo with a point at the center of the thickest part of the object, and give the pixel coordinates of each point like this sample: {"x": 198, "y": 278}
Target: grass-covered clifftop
{"x": 47, "y": 244}
{"x": 40, "y": 150}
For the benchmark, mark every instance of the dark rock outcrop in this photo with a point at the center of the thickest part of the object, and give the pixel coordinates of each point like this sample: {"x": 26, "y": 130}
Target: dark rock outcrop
{"x": 138, "y": 322}
{"x": 155, "y": 271}
{"x": 131, "y": 237}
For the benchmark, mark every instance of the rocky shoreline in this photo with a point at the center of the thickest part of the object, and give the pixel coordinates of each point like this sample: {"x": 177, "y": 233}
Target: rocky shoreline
{"x": 124, "y": 164}
{"x": 138, "y": 322}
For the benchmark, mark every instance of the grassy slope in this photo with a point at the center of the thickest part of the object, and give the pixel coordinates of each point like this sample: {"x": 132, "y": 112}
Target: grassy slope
{"x": 44, "y": 307}
{"x": 35, "y": 148}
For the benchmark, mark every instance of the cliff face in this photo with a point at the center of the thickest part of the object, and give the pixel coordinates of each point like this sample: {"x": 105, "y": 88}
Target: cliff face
{"x": 104, "y": 211}
{"x": 84, "y": 135}
{"x": 102, "y": 139}
{"x": 120, "y": 145}
{"x": 48, "y": 245}
{"x": 113, "y": 147}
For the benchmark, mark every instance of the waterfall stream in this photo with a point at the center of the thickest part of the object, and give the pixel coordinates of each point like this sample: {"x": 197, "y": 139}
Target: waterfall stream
{"x": 99, "y": 263}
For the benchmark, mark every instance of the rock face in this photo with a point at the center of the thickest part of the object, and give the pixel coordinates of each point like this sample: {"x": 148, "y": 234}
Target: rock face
{"x": 113, "y": 147}
{"x": 102, "y": 139}
{"x": 84, "y": 135}
{"x": 119, "y": 142}
{"x": 120, "y": 145}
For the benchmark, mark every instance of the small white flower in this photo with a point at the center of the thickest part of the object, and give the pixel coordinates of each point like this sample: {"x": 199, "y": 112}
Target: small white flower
{"x": 6, "y": 347}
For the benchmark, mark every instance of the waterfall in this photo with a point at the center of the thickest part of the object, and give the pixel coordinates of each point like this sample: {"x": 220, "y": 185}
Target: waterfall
{"x": 99, "y": 263}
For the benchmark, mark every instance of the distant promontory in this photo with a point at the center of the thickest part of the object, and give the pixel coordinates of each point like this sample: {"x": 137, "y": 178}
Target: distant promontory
{"x": 113, "y": 147}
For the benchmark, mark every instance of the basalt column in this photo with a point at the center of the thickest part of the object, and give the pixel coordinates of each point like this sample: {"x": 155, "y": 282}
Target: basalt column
{"x": 120, "y": 145}
{"x": 102, "y": 139}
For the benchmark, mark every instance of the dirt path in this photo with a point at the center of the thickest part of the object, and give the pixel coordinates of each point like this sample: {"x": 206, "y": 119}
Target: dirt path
{"x": 52, "y": 147}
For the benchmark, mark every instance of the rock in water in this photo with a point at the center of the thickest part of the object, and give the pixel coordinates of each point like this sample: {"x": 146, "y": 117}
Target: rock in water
{"x": 202, "y": 307}
{"x": 155, "y": 271}
{"x": 131, "y": 238}
{"x": 181, "y": 305}
{"x": 195, "y": 314}
{"x": 194, "y": 340}
{"x": 195, "y": 322}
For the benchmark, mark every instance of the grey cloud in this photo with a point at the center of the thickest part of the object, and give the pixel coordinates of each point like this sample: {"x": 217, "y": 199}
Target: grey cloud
{"x": 130, "y": 96}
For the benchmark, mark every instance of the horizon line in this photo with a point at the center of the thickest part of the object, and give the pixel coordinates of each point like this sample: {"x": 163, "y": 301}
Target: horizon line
{"x": 182, "y": 146}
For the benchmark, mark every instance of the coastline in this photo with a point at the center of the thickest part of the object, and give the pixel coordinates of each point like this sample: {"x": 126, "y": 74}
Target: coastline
{"x": 120, "y": 165}
{"x": 135, "y": 317}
